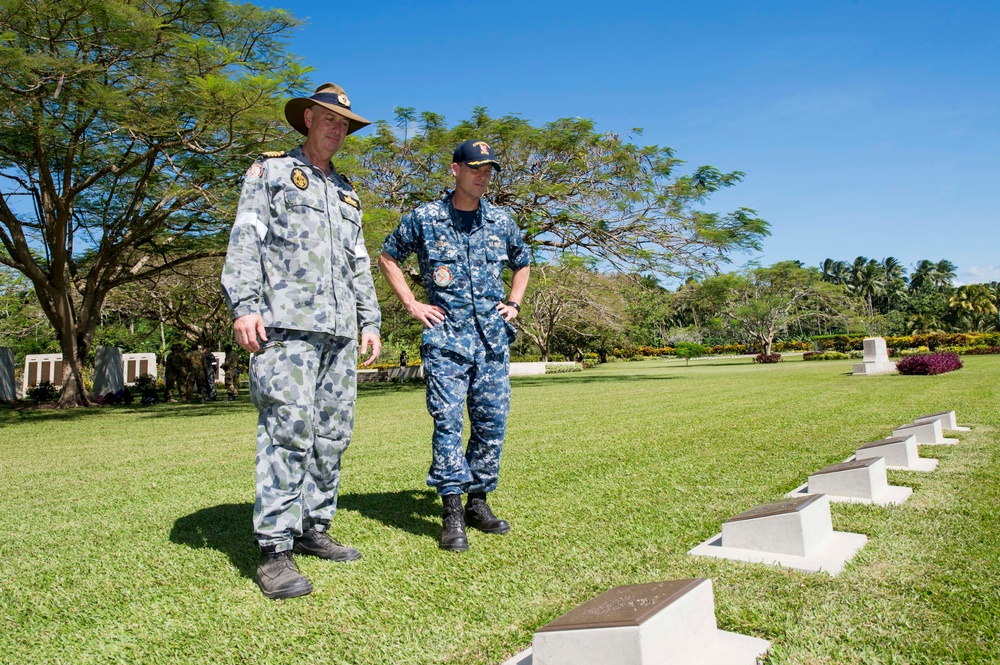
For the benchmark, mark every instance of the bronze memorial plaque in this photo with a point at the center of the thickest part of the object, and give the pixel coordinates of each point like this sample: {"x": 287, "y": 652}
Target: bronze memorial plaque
{"x": 623, "y": 606}
{"x": 885, "y": 442}
{"x": 847, "y": 466}
{"x": 776, "y": 508}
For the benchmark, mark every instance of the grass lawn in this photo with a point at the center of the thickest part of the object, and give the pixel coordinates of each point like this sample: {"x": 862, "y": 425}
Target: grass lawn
{"x": 126, "y": 530}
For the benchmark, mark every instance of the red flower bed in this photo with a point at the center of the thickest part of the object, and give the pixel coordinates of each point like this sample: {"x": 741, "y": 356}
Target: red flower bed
{"x": 929, "y": 363}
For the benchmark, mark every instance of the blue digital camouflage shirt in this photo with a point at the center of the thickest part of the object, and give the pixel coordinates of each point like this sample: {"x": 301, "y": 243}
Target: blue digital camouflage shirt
{"x": 297, "y": 253}
{"x": 462, "y": 272}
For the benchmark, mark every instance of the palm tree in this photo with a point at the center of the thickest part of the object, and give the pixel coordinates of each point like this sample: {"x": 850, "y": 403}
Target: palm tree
{"x": 835, "y": 272}
{"x": 923, "y": 273}
{"x": 974, "y": 306}
{"x": 944, "y": 272}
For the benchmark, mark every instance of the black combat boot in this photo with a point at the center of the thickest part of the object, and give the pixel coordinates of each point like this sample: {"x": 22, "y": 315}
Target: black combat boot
{"x": 479, "y": 516}
{"x": 318, "y": 543}
{"x": 278, "y": 577}
{"x": 453, "y": 535}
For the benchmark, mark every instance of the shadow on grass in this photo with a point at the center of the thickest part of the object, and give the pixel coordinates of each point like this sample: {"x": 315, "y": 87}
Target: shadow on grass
{"x": 414, "y": 511}
{"x": 225, "y": 528}
{"x": 159, "y": 410}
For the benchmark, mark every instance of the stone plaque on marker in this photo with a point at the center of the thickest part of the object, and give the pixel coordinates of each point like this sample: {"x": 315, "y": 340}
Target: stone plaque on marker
{"x": 847, "y": 466}
{"x": 623, "y": 606}
{"x": 777, "y": 508}
{"x": 885, "y": 442}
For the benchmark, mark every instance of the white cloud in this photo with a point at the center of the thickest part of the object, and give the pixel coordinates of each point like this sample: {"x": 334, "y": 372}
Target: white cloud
{"x": 978, "y": 275}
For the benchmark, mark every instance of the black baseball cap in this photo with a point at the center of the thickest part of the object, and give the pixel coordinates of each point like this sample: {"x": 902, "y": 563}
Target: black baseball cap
{"x": 475, "y": 154}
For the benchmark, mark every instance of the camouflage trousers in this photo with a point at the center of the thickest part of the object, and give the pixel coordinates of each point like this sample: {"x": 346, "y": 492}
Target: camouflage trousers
{"x": 483, "y": 384}
{"x": 233, "y": 382}
{"x": 304, "y": 385}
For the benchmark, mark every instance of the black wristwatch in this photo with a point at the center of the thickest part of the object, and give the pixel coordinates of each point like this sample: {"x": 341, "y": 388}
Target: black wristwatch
{"x": 511, "y": 303}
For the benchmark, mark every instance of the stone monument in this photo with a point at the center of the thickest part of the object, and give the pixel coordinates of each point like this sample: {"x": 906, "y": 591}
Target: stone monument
{"x": 660, "y": 623}
{"x": 794, "y": 533}
{"x": 40, "y": 367}
{"x": 876, "y": 358}
{"x": 8, "y": 390}
{"x": 137, "y": 364}
{"x": 109, "y": 371}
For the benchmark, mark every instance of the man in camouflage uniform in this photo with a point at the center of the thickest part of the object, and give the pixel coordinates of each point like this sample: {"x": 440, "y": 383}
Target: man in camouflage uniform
{"x": 211, "y": 371}
{"x": 194, "y": 367}
{"x": 298, "y": 282}
{"x": 232, "y": 369}
{"x": 462, "y": 245}
{"x": 174, "y": 373}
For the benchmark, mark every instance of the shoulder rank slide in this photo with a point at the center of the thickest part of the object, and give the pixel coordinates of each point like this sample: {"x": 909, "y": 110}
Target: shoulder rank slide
{"x": 273, "y": 153}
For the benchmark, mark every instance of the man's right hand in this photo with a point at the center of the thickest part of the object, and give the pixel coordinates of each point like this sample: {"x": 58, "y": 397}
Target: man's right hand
{"x": 247, "y": 329}
{"x": 430, "y": 315}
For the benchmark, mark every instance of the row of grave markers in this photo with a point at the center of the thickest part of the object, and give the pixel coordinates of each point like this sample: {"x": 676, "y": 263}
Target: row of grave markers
{"x": 673, "y": 622}
{"x": 113, "y": 370}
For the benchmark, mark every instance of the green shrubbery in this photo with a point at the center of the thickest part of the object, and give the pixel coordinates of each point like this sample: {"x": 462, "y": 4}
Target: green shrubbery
{"x": 826, "y": 355}
{"x": 932, "y": 341}
{"x": 563, "y": 369}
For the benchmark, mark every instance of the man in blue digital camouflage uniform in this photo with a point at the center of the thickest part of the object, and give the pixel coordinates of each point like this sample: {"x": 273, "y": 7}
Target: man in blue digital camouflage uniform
{"x": 462, "y": 245}
{"x": 298, "y": 282}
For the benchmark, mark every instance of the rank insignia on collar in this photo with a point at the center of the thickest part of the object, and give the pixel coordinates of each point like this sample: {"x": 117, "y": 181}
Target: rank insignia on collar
{"x": 442, "y": 276}
{"x": 350, "y": 200}
{"x": 299, "y": 178}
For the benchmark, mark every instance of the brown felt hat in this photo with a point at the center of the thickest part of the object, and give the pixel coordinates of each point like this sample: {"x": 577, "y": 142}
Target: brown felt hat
{"x": 330, "y": 96}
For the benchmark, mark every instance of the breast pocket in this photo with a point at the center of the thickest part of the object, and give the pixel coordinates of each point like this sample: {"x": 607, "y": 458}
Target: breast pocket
{"x": 300, "y": 217}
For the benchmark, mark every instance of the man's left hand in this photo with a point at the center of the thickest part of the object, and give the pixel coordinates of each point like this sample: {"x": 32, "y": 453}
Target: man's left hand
{"x": 368, "y": 340}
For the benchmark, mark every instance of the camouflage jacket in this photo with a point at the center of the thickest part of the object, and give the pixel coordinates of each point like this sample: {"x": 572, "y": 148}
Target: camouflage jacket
{"x": 463, "y": 273}
{"x": 297, "y": 253}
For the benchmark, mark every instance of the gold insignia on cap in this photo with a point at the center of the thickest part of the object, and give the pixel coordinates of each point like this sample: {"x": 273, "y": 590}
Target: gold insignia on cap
{"x": 483, "y": 147}
{"x": 299, "y": 178}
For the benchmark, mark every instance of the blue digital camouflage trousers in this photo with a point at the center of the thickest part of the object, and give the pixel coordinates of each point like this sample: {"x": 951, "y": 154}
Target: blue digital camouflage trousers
{"x": 304, "y": 384}
{"x": 483, "y": 382}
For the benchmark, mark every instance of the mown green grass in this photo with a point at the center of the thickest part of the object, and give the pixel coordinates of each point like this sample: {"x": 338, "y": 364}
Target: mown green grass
{"x": 126, "y": 531}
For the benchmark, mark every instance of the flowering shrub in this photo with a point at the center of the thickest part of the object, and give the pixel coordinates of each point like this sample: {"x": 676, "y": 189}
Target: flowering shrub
{"x": 929, "y": 363}
{"x": 767, "y": 358}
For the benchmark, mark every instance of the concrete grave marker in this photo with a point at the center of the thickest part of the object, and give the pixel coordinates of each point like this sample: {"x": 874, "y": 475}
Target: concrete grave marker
{"x": 109, "y": 370}
{"x": 899, "y": 452}
{"x": 856, "y": 481}
{"x": 8, "y": 390}
{"x": 795, "y": 533}
{"x": 948, "y": 421}
{"x": 927, "y": 433}
{"x": 660, "y": 623}
{"x": 876, "y": 358}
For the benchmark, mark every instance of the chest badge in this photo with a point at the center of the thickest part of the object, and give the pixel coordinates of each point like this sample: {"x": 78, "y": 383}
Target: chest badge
{"x": 349, "y": 200}
{"x": 299, "y": 178}
{"x": 443, "y": 276}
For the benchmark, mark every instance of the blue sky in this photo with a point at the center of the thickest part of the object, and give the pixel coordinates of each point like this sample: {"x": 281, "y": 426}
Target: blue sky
{"x": 864, "y": 128}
